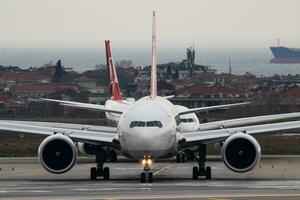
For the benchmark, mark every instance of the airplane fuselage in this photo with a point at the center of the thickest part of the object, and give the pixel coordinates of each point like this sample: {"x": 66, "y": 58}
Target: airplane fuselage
{"x": 149, "y": 128}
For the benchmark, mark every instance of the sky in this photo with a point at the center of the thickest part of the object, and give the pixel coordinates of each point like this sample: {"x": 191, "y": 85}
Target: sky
{"x": 127, "y": 23}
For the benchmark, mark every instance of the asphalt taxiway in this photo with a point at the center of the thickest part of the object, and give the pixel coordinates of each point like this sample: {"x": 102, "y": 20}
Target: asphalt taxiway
{"x": 276, "y": 177}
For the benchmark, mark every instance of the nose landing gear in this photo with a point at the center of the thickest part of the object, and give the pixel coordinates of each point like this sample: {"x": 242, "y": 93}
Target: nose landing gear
{"x": 146, "y": 174}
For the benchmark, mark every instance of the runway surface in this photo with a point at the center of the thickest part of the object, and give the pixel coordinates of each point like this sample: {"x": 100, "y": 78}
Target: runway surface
{"x": 274, "y": 178}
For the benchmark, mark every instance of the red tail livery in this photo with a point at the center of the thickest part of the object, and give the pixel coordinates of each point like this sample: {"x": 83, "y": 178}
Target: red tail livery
{"x": 113, "y": 88}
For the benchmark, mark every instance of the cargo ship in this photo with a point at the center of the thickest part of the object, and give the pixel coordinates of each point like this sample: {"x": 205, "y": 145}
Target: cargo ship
{"x": 285, "y": 55}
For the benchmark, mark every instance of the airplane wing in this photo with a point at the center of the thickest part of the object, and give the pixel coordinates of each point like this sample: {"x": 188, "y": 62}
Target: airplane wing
{"x": 204, "y": 137}
{"x": 64, "y": 125}
{"x": 247, "y": 121}
{"x": 97, "y": 136}
{"x": 94, "y": 107}
{"x": 169, "y": 97}
{"x": 209, "y": 108}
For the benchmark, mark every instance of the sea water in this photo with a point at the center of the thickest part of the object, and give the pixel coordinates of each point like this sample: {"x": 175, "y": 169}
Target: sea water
{"x": 255, "y": 61}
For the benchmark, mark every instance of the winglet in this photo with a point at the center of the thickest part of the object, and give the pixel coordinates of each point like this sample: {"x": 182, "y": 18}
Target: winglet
{"x": 113, "y": 88}
{"x": 153, "y": 65}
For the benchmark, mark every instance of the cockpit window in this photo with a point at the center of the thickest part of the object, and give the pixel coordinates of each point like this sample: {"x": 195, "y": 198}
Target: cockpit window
{"x": 140, "y": 124}
{"x": 133, "y": 124}
{"x": 187, "y": 120}
{"x": 183, "y": 120}
{"x": 150, "y": 124}
{"x": 145, "y": 124}
{"x": 158, "y": 124}
{"x": 190, "y": 120}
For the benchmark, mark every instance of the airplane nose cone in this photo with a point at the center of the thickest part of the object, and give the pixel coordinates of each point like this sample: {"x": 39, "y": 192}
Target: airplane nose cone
{"x": 153, "y": 141}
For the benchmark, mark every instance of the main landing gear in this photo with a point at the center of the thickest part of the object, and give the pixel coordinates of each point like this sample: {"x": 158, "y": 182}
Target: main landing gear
{"x": 186, "y": 155}
{"x": 202, "y": 170}
{"x": 146, "y": 174}
{"x": 100, "y": 170}
{"x": 180, "y": 157}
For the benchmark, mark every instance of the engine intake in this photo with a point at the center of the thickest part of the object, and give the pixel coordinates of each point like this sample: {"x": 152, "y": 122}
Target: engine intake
{"x": 57, "y": 153}
{"x": 241, "y": 152}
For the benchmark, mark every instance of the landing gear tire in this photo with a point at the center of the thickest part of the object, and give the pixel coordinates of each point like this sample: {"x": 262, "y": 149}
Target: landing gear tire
{"x": 178, "y": 158}
{"x": 182, "y": 158}
{"x": 208, "y": 173}
{"x": 204, "y": 172}
{"x": 106, "y": 173}
{"x": 143, "y": 177}
{"x": 195, "y": 173}
{"x": 93, "y": 173}
{"x": 147, "y": 176}
{"x": 150, "y": 177}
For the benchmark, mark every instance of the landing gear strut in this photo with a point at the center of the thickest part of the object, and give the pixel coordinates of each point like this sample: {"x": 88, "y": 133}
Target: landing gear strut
{"x": 112, "y": 156}
{"x": 202, "y": 170}
{"x": 100, "y": 171}
{"x": 147, "y": 174}
{"x": 180, "y": 157}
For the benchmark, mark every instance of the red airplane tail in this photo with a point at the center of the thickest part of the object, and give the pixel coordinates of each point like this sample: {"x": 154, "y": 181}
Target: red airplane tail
{"x": 113, "y": 88}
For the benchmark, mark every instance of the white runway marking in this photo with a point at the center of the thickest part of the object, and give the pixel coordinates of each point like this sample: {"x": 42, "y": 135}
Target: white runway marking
{"x": 219, "y": 197}
{"x": 163, "y": 169}
{"x": 131, "y": 168}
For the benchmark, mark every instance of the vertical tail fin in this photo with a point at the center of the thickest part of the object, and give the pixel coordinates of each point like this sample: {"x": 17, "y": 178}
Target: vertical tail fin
{"x": 153, "y": 65}
{"x": 113, "y": 88}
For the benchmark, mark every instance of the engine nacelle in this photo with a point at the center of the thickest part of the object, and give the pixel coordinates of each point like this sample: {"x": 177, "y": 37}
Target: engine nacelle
{"x": 86, "y": 148}
{"x": 241, "y": 152}
{"x": 57, "y": 153}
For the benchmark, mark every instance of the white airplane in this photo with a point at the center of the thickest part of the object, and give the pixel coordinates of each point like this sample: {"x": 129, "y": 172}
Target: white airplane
{"x": 148, "y": 130}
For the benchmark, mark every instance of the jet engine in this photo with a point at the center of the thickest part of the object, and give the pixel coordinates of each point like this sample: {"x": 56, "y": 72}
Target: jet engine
{"x": 241, "y": 152}
{"x": 57, "y": 153}
{"x": 86, "y": 148}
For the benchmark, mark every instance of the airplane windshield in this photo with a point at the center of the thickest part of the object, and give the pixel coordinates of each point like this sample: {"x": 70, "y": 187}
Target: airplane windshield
{"x": 190, "y": 120}
{"x": 140, "y": 124}
{"x": 145, "y": 124}
{"x": 187, "y": 120}
{"x": 150, "y": 124}
{"x": 183, "y": 120}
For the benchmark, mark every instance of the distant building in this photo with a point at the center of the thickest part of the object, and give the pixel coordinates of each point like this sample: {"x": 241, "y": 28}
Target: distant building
{"x": 183, "y": 74}
{"x": 2, "y": 87}
{"x": 41, "y": 90}
{"x": 143, "y": 75}
{"x": 86, "y": 82}
{"x": 208, "y": 92}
